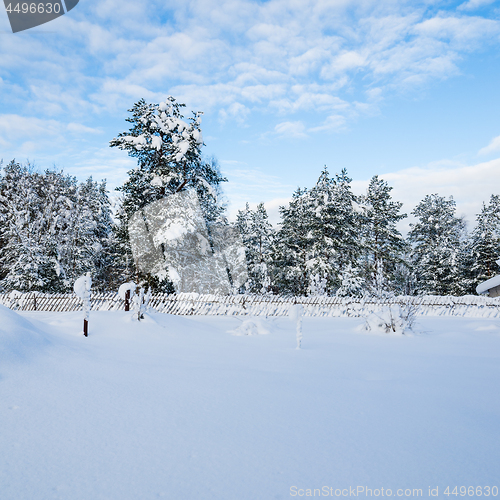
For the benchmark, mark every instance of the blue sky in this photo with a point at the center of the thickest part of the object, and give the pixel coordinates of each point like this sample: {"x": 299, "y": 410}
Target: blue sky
{"x": 408, "y": 90}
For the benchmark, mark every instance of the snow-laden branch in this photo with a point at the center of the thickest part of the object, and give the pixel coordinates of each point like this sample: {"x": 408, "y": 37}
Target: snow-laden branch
{"x": 164, "y": 130}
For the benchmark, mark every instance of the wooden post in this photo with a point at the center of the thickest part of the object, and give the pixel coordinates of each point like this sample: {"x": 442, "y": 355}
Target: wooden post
{"x": 127, "y": 300}
{"x": 85, "y": 328}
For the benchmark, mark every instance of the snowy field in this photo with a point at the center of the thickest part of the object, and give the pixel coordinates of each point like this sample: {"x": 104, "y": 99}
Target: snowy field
{"x": 179, "y": 408}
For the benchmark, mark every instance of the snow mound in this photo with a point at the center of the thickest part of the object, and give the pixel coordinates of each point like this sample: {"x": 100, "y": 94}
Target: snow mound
{"x": 124, "y": 288}
{"x": 296, "y": 312}
{"x": 80, "y": 286}
{"x": 19, "y": 338}
{"x": 252, "y": 326}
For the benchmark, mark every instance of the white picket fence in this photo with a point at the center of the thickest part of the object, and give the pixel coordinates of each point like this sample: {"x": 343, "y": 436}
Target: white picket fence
{"x": 256, "y": 305}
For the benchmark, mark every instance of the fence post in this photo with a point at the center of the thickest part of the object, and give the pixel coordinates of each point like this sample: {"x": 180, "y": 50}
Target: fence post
{"x": 127, "y": 300}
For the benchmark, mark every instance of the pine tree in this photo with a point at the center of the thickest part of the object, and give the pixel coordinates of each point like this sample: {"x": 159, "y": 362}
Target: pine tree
{"x": 318, "y": 285}
{"x": 257, "y": 233}
{"x": 352, "y": 283}
{"x": 168, "y": 152}
{"x": 293, "y": 248}
{"x": 122, "y": 269}
{"x": 52, "y": 229}
{"x": 77, "y": 244}
{"x": 323, "y": 268}
{"x": 336, "y": 228}
{"x": 319, "y": 237}
{"x": 436, "y": 240}
{"x": 484, "y": 245}
{"x": 383, "y": 245}
{"x": 467, "y": 275}
{"x": 22, "y": 231}
{"x": 243, "y": 222}
{"x": 97, "y": 241}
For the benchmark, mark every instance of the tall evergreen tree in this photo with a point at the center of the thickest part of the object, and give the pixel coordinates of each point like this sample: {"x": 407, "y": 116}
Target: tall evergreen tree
{"x": 383, "y": 245}
{"x": 323, "y": 267}
{"x": 436, "y": 238}
{"x": 293, "y": 248}
{"x": 319, "y": 238}
{"x": 257, "y": 234}
{"x": 484, "y": 245}
{"x": 122, "y": 268}
{"x": 52, "y": 229}
{"x": 168, "y": 152}
{"x": 336, "y": 228}
{"x": 23, "y": 231}
{"x": 99, "y": 240}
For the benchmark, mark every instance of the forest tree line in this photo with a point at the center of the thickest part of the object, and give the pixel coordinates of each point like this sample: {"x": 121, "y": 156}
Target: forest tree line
{"x": 54, "y": 229}
{"x": 329, "y": 241}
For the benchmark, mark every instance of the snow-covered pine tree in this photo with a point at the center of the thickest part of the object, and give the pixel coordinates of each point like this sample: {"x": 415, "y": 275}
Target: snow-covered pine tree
{"x": 319, "y": 237}
{"x": 336, "y": 228}
{"x": 96, "y": 229}
{"x": 51, "y": 229}
{"x": 436, "y": 238}
{"x": 293, "y": 247}
{"x": 257, "y": 234}
{"x": 318, "y": 285}
{"x": 168, "y": 152}
{"x": 484, "y": 244}
{"x": 383, "y": 245}
{"x": 122, "y": 269}
{"x": 352, "y": 283}
{"x": 466, "y": 279}
{"x": 323, "y": 273}
{"x": 37, "y": 210}
{"x": 81, "y": 226}
{"x": 74, "y": 236}
{"x": 22, "y": 231}
{"x": 403, "y": 276}
{"x": 104, "y": 278}
{"x": 243, "y": 222}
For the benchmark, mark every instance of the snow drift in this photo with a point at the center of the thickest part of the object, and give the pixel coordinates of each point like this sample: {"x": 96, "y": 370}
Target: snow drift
{"x": 19, "y": 338}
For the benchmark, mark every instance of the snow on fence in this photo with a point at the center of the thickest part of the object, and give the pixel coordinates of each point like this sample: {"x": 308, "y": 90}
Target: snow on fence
{"x": 255, "y": 305}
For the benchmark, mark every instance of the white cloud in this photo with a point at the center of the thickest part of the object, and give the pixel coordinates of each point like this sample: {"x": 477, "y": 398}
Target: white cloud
{"x": 15, "y": 128}
{"x": 241, "y": 53}
{"x": 474, "y": 4}
{"x": 469, "y": 185}
{"x": 107, "y": 163}
{"x": 492, "y": 147}
{"x": 253, "y": 182}
{"x": 332, "y": 122}
{"x": 78, "y": 128}
{"x": 271, "y": 205}
{"x": 235, "y": 58}
{"x": 247, "y": 185}
{"x": 291, "y": 129}
{"x": 236, "y": 110}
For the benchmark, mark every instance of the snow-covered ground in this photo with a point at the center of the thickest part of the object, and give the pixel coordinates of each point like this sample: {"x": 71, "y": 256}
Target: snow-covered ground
{"x": 178, "y": 408}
